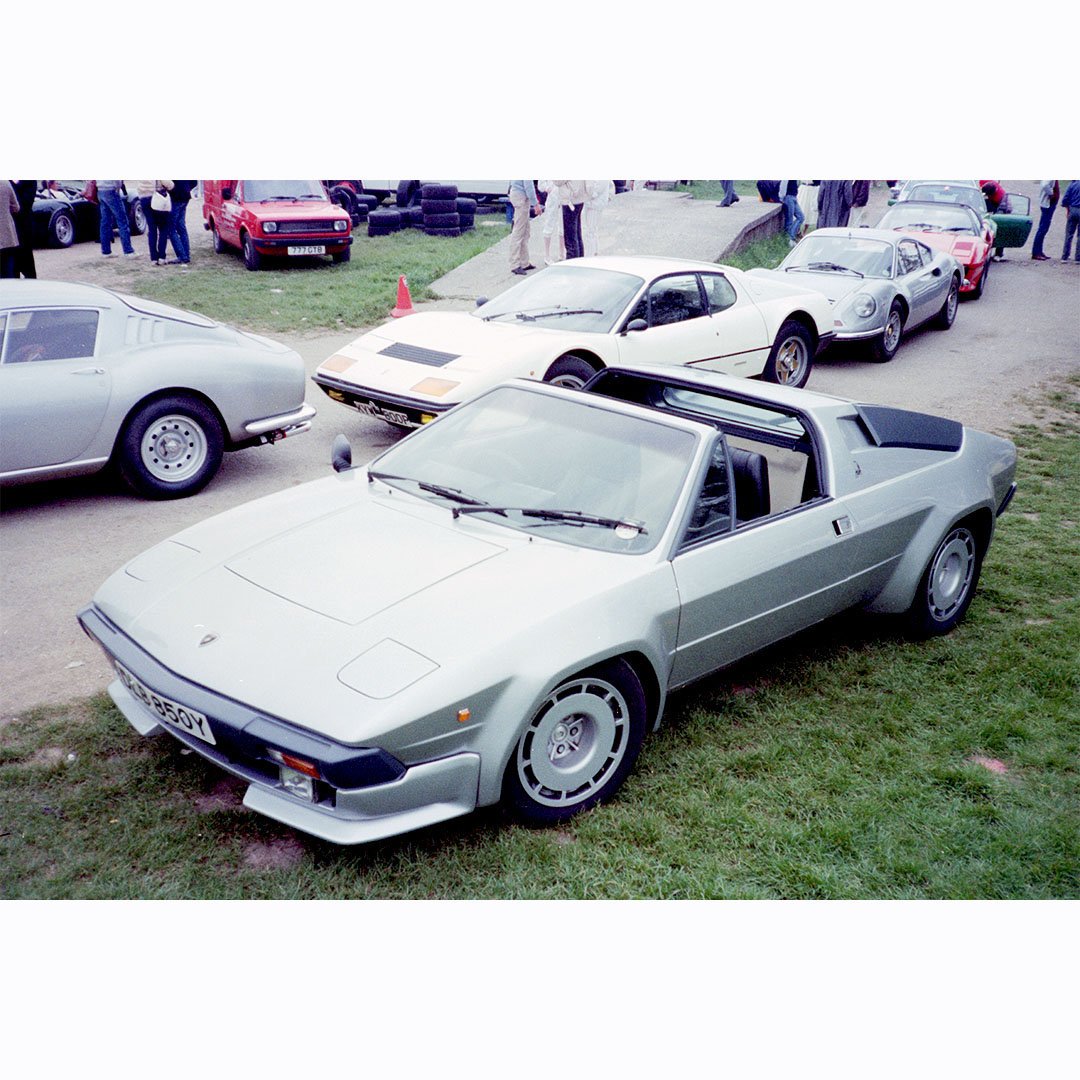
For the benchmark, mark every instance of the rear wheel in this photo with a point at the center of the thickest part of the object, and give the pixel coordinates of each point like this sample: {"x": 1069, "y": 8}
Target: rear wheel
{"x": 884, "y": 348}
{"x": 579, "y": 747}
{"x": 570, "y": 370}
{"x": 171, "y": 448}
{"x": 137, "y": 218}
{"x": 947, "y": 315}
{"x": 978, "y": 290}
{"x": 947, "y": 584}
{"x": 791, "y": 356}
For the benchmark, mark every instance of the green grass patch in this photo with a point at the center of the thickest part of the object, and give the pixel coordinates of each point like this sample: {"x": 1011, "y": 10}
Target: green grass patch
{"x": 847, "y": 762}
{"x": 302, "y": 295}
{"x": 713, "y": 189}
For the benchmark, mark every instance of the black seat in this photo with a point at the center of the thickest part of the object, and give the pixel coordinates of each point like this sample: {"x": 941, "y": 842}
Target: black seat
{"x": 751, "y": 484}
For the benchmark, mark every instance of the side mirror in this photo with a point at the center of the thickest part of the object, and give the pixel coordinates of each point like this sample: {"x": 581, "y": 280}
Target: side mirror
{"x": 635, "y": 325}
{"x": 481, "y": 301}
{"x": 226, "y": 192}
{"x": 341, "y": 454}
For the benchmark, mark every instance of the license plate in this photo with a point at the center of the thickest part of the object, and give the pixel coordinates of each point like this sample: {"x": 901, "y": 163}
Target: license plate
{"x": 369, "y": 408}
{"x": 308, "y": 249}
{"x": 171, "y": 712}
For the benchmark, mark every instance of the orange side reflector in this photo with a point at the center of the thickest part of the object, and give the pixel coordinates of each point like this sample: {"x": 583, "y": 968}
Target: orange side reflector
{"x": 463, "y": 716}
{"x": 300, "y": 765}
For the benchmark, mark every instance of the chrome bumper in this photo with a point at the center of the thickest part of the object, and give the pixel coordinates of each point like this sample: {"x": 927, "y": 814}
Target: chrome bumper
{"x": 287, "y": 423}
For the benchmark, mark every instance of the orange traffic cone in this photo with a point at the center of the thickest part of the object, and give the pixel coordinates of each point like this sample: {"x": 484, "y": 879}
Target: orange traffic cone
{"x": 404, "y": 300}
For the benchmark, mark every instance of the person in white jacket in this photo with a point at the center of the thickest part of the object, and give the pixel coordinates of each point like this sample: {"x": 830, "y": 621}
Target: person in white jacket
{"x": 598, "y": 194}
{"x": 551, "y": 222}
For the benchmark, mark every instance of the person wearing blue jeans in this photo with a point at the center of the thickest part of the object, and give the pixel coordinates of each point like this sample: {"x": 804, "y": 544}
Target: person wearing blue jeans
{"x": 793, "y": 214}
{"x": 113, "y": 213}
{"x": 729, "y": 193}
{"x": 178, "y": 235}
{"x": 1071, "y": 202}
{"x": 1049, "y": 194}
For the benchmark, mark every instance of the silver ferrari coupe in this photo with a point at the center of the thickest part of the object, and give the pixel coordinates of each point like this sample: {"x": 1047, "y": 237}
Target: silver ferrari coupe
{"x": 497, "y": 607}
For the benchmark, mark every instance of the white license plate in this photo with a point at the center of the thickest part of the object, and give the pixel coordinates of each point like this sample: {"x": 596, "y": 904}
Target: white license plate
{"x": 308, "y": 249}
{"x": 369, "y": 408}
{"x": 170, "y": 712}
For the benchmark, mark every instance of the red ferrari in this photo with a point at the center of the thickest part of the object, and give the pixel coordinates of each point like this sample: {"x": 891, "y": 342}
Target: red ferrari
{"x": 949, "y": 227}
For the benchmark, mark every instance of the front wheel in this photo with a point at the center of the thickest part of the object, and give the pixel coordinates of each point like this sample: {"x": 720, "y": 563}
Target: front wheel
{"x": 252, "y": 259}
{"x": 947, "y": 315}
{"x": 884, "y": 348}
{"x": 571, "y": 371}
{"x": 219, "y": 244}
{"x": 137, "y": 218}
{"x": 62, "y": 229}
{"x": 342, "y": 256}
{"x": 981, "y": 287}
{"x": 791, "y": 356}
{"x": 579, "y": 747}
{"x": 947, "y": 585}
{"x": 171, "y": 448}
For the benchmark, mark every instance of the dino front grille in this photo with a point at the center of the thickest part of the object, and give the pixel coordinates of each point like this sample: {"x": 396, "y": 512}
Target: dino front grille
{"x": 418, "y": 355}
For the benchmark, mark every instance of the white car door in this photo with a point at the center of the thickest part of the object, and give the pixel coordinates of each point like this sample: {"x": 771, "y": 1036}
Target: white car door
{"x": 696, "y": 319}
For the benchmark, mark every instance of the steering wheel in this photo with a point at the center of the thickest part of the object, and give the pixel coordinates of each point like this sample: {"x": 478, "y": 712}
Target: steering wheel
{"x": 33, "y": 351}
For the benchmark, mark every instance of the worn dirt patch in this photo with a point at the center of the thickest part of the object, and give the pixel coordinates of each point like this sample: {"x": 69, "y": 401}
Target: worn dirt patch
{"x": 226, "y": 794}
{"x": 993, "y": 764}
{"x": 280, "y": 854}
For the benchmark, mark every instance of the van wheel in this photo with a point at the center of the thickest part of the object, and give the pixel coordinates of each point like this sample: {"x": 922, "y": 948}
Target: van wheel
{"x": 219, "y": 244}
{"x": 252, "y": 259}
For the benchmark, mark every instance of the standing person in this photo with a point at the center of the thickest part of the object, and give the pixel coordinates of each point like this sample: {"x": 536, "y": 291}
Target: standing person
{"x": 834, "y": 204}
{"x": 572, "y": 195}
{"x": 9, "y": 238}
{"x": 729, "y": 193}
{"x": 160, "y": 220}
{"x": 552, "y": 222}
{"x": 145, "y": 193}
{"x": 1070, "y": 201}
{"x": 1049, "y": 195}
{"x": 860, "y": 196}
{"x": 178, "y": 234}
{"x": 525, "y": 203}
{"x": 793, "y": 215}
{"x": 113, "y": 213}
{"x": 598, "y": 194}
{"x": 25, "y": 190}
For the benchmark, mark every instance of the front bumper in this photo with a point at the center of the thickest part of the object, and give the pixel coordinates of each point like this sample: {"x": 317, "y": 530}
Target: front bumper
{"x": 265, "y": 245}
{"x": 857, "y": 335}
{"x": 362, "y": 793}
{"x": 393, "y": 408}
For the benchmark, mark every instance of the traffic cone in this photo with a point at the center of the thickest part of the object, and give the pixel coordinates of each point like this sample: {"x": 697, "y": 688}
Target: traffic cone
{"x": 404, "y": 300}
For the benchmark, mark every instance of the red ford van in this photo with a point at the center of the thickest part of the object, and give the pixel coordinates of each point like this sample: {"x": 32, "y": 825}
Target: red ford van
{"x": 275, "y": 218}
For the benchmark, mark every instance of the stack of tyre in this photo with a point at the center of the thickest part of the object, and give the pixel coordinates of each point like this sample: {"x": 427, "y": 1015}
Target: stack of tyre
{"x": 439, "y": 203}
{"x": 384, "y": 222}
{"x": 466, "y": 209}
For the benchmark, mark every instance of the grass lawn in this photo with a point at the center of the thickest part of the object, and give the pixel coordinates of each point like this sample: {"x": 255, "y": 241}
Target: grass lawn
{"x": 847, "y": 763}
{"x": 299, "y": 297}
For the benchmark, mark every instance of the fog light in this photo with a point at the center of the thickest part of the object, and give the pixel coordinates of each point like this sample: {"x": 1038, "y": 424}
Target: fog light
{"x": 295, "y": 783}
{"x": 426, "y": 418}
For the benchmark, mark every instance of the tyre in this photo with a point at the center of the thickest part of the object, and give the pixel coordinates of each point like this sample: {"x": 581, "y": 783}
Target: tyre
{"x": 884, "y": 348}
{"x": 791, "y": 356}
{"x": 579, "y": 747}
{"x": 438, "y": 191}
{"x": 442, "y": 231}
{"x": 439, "y": 206}
{"x": 342, "y": 256}
{"x": 379, "y": 230}
{"x": 62, "y": 229}
{"x": 344, "y": 198}
{"x": 412, "y": 217}
{"x": 219, "y": 244}
{"x": 442, "y": 221}
{"x": 370, "y": 202}
{"x": 170, "y": 448}
{"x": 571, "y": 371}
{"x": 465, "y": 206}
{"x": 947, "y": 315}
{"x": 407, "y": 191}
{"x": 385, "y": 219}
{"x": 947, "y": 584}
{"x": 252, "y": 259}
{"x": 466, "y": 223}
{"x": 978, "y": 290}
{"x": 136, "y": 217}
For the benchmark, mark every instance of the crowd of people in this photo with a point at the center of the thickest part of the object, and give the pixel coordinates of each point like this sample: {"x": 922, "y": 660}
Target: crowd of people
{"x": 164, "y": 204}
{"x": 570, "y": 212}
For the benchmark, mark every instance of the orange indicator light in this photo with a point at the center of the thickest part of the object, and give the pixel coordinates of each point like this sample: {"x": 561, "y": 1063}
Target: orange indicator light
{"x": 300, "y": 765}
{"x": 463, "y": 716}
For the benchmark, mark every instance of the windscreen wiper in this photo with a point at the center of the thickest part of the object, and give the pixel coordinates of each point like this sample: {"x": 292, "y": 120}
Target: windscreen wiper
{"x": 557, "y": 311}
{"x": 456, "y": 494}
{"x": 562, "y": 517}
{"x": 832, "y": 266}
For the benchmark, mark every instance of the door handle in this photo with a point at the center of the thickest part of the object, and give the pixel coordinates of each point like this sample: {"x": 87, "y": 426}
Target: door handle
{"x": 89, "y": 371}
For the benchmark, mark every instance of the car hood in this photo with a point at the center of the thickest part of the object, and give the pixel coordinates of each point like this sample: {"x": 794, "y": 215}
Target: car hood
{"x": 359, "y": 593}
{"x": 962, "y": 246}
{"x": 834, "y": 287}
{"x": 441, "y": 342}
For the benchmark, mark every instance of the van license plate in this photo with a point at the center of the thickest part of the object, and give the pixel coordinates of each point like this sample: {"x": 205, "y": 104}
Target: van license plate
{"x": 308, "y": 249}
